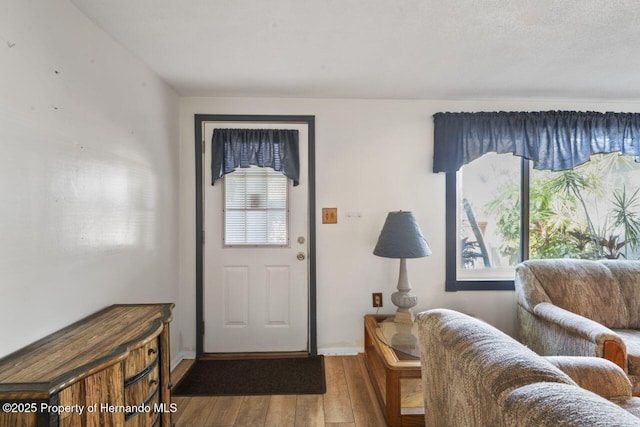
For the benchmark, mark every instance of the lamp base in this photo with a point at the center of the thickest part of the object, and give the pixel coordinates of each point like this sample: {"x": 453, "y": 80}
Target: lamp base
{"x": 404, "y": 299}
{"x": 403, "y": 317}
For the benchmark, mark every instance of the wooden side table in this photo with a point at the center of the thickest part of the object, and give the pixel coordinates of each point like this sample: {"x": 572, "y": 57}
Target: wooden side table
{"x": 395, "y": 376}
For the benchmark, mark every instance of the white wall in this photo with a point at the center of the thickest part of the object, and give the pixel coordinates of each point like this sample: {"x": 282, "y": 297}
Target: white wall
{"x": 372, "y": 156}
{"x": 88, "y": 174}
{"x": 93, "y": 186}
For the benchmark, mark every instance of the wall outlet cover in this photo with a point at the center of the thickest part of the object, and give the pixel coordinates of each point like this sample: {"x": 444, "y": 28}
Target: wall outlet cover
{"x": 377, "y": 299}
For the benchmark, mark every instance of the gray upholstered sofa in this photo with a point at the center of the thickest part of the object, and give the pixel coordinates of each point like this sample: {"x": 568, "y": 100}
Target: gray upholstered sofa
{"x": 475, "y": 375}
{"x": 582, "y": 308}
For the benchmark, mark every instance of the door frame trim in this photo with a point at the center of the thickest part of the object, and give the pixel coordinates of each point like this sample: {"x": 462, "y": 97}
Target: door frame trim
{"x": 199, "y": 119}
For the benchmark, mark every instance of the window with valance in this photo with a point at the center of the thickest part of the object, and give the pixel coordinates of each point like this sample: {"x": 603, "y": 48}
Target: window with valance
{"x": 257, "y": 164}
{"x": 526, "y": 185}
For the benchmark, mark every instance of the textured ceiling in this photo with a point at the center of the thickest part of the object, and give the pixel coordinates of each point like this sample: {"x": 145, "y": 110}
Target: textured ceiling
{"x": 415, "y": 49}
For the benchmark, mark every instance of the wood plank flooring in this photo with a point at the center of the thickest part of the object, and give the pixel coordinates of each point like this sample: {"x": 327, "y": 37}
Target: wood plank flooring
{"x": 349, "y": 402}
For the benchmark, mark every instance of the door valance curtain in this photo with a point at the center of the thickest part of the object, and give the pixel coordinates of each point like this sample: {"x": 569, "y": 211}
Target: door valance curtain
{"x": 553, "y": 140}
{"x": 274, "y": 148}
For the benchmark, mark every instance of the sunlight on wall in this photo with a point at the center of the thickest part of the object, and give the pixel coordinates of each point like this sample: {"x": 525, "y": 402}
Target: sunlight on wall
{"x": 101, "y": 203}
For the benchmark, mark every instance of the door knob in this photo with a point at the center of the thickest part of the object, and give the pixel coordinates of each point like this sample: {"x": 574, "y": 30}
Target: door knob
{"x": 301, "y": 256}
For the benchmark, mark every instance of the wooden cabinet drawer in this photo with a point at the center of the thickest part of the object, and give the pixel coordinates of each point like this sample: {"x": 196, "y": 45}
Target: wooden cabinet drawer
{"x": 146, "y": 419}
{"x": 143, "y": 388}
{"x": 140, "y": 358}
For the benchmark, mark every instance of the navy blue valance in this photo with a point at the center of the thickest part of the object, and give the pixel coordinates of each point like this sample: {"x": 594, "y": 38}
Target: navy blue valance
{"x": 553, "y": 140}
{"x": 274, "y": 148}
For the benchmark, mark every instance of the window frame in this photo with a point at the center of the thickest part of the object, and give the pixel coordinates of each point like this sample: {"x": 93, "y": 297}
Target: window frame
{"x": 452, "y": 284}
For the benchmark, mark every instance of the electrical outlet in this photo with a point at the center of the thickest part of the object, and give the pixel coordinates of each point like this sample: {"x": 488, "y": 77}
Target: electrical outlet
{"x": 377, "y": 299}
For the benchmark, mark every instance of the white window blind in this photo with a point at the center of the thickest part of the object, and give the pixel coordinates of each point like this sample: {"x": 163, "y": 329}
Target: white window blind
{"x": 256, "y": 207}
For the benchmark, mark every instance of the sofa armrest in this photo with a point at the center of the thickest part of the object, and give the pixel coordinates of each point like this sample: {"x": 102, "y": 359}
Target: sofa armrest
{"x": 595, "y": 374}
{"x": 608, "y": 344}
{"x": 555, "y": 404}
{"x": 577, "y": 325}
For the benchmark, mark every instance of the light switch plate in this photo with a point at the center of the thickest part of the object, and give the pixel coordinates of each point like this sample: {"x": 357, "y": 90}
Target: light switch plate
{"x": 329, "y": 215}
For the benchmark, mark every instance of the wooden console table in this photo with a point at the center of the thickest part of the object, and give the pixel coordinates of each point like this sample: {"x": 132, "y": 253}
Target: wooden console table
{"x": 395, "y": 377}
{"x": 111, "y": 369}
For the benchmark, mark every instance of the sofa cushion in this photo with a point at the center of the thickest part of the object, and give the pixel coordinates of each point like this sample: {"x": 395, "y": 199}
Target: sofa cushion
{"x": 627, "y": 274}
{"x": 631, "y": 338}
{"x": 529, "y": 292}
{"x": 587, "y": 288}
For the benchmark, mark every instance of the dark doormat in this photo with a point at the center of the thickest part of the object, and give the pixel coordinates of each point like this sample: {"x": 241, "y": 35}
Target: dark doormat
{"x": 301, "y": 375}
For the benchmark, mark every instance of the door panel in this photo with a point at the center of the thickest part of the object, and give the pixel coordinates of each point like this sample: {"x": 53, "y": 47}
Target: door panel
{"x": 278, "y": 291}
{"x": 236, "y": 296}
{"x": 255, "y": 298}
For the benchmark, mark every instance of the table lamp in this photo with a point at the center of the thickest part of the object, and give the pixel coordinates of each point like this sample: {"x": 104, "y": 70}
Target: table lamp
{"x": 401, "y": 238}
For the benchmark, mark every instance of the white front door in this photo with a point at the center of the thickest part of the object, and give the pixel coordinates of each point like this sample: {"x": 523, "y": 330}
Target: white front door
{"x": 255, "y": 297}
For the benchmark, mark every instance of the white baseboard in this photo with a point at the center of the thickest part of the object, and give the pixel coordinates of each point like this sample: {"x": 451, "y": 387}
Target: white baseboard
{"x": 180, "y": 357}
{"x": 340, "y": 351}
{"x": 328, "y": 351}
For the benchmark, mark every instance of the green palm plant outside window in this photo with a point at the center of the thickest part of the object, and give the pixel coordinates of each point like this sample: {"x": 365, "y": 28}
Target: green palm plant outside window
{"x": 590, "y": 212}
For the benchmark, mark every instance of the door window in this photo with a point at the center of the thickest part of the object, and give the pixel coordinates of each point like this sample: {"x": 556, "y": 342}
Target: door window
{"x": 256, "y": 208}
